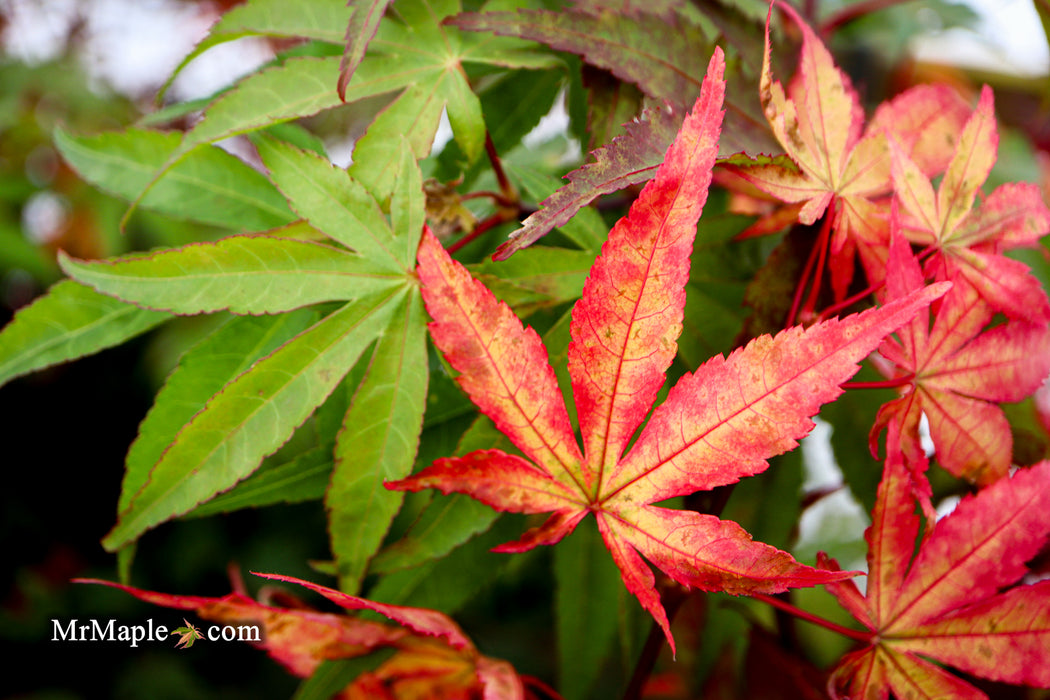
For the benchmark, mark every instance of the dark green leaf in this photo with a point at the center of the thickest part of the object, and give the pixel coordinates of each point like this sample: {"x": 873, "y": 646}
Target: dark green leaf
{"x": 331, "y": 677}
{"x": 448, "y": 583}
{"x": 537, "y": 277}
{"x": 448, "y": 521}
{"x": 588, "y": 588}
{"x": 611, "y": 103}
{"x": 664, "y": 60}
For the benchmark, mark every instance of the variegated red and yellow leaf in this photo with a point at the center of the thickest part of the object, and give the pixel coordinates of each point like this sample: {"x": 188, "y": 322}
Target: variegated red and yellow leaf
{"x": 722, "y": 422}
{"x": 959, "y": 600}
{"x": 626, "y": 324}
{"x": 957, "y": 372}
{"x": 841, "y": 166}
{"x": 968, "y": 242}
{"x": 717, "y": 425}
{"x": 503, "y": 366}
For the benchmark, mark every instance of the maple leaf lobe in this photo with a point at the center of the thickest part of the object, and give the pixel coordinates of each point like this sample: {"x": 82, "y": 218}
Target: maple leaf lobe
{"x": 626, "y": 325}
{"x": 503, "y": 366}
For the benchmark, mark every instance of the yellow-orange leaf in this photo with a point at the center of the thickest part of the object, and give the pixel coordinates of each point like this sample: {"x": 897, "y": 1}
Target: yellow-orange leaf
{"x": 819, "y": 121}
{"x": 958, "y": 372}
{"x": 958, "y": 601}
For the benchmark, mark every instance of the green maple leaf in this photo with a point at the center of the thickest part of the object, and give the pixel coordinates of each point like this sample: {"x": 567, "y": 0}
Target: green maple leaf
{"x": 240, "y": 394}
{"x": 413, "y": 54}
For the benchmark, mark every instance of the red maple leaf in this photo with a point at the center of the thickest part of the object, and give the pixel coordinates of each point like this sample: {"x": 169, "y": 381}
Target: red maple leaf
{"x": 957, "y": 601}
{"x": 432, "y": 657}
{"x": 966, "y": 241}
{"x": 717, "y": 425}
{"x": 956, "y": 374}
{"x": 833, "y": 161}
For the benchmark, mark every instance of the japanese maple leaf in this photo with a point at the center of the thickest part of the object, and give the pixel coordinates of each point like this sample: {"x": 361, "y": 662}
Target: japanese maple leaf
{"x": 717, "y": 425}
{"x": 957, "y": 373}
{"x": 432, "y": 657}
{"x": 954, "y": 602}
{"x": 969, "y": 240}
{"x": 833, "y": 161}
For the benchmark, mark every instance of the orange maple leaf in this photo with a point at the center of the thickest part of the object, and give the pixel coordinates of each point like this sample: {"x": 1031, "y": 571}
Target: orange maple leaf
{"x": 968, "y": 241}
{"x": 957, "y": 372}
{"x": 957, "y": 600}
{"x": 834, "y": 162}
{"x": 716, "y": 426}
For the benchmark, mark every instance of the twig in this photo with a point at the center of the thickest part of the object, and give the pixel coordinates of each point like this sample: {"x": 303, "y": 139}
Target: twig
{"x": 814, "y": 619}
{"x": 883, "y": 384}
{"x": 849, "y": 301}
{"x": 505, "y": 187}
{"x": 502, "y": 216}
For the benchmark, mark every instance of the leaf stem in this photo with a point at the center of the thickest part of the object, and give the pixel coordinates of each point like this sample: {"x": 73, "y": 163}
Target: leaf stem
{"x": 818, "y": 251}
{"x": 883, "y": 384}
{"x": 502, "y": 216}
{"x": 800, "y": 288}
{"x": 497, "y": 197}
{"x": 509, "y": 193}
{"x": 850, "y": 301}
{"x": 507, "y": 199}
{"x": 811, "y": 618}
{"x": 823, "y": 245}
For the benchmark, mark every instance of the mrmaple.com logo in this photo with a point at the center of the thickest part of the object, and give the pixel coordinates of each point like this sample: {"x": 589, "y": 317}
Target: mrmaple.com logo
{"x": 110, "y": 631}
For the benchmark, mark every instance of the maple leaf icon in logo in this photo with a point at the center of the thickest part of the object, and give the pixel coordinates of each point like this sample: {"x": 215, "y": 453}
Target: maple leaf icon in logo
{"x": 187, "y": 635}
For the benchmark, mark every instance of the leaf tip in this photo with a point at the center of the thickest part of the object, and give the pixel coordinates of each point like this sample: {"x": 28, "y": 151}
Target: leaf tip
{"x": 937, "y": 290}
{"x": 65, "y": 260}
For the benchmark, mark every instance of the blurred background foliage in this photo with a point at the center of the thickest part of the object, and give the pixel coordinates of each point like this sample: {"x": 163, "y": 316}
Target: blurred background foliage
{"x": 74, "y": 422}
